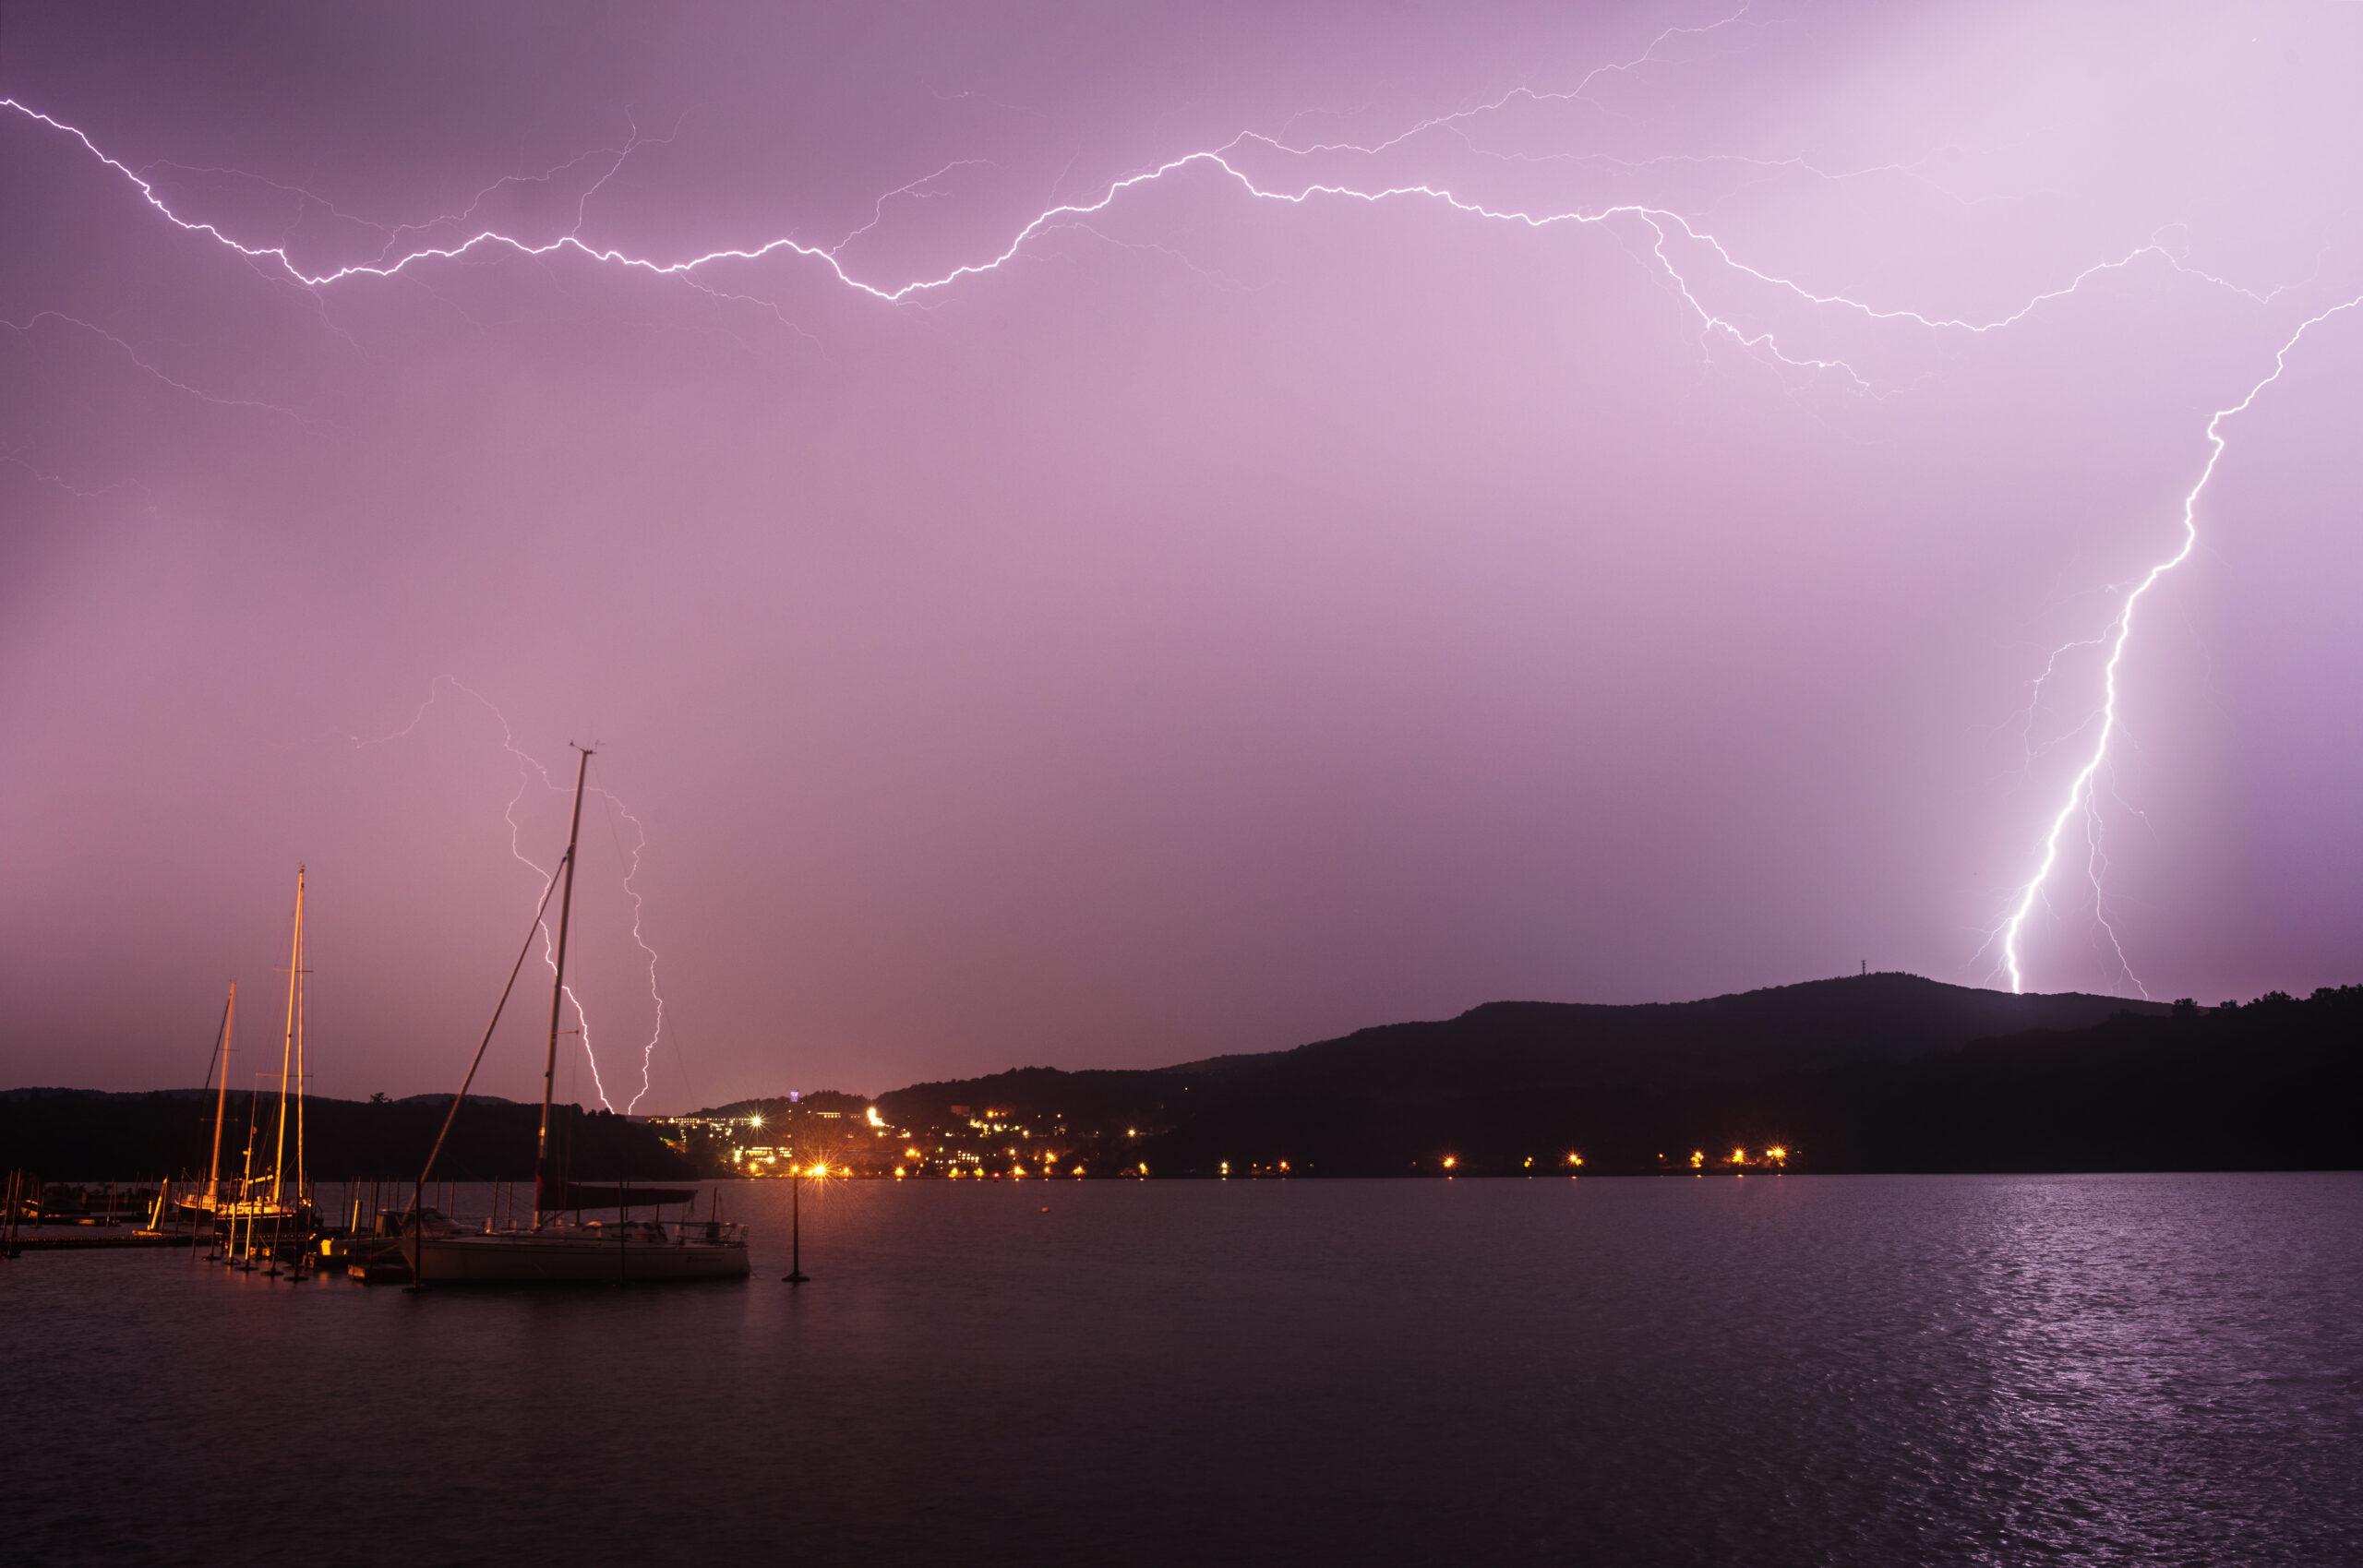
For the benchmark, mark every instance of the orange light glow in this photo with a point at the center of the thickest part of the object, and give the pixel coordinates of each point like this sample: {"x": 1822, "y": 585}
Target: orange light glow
{"x": 1450, "y": 1162}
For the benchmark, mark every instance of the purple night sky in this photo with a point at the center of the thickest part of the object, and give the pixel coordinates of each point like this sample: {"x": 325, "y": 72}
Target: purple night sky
{"x": 1622, "y": 565}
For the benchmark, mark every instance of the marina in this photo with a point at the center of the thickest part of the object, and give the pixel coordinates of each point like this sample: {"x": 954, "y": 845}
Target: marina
{"x": 268, "y": 1215}
{"x": 377, "y": 1223}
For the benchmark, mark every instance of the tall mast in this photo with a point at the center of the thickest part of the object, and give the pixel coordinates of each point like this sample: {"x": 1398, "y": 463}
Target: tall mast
{"x": 303, "y": 1005}
{"x": 287, "y": 1051}
{"x": 222, "y": 1103}
{"x": 547, "y": 1189}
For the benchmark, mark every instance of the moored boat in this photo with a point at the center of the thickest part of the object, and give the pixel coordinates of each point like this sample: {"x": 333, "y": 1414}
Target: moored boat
{"x": 551, "y": 1252}
{"x": 622, "y": 1251}
{"x": 256, "y": 1215}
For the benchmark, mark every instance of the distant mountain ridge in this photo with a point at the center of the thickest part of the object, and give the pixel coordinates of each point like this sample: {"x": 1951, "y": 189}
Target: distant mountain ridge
{"x": 1816, "y": 1023}
{"x": 1873, "y": 1073}
{"x": 1513, "y": 1047}
{"x": 2276, "y": 1084}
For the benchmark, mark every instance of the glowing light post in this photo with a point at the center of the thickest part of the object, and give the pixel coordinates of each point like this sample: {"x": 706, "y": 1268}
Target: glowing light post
{"x": 795, "y": 1274}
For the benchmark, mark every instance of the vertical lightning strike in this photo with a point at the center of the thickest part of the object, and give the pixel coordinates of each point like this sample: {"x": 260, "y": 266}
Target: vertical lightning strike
{"x": 509, "y": 814}
{"x": 631, "y": 869}
{"x": 2081, "y": 798}
{"x": 527, "y": 766}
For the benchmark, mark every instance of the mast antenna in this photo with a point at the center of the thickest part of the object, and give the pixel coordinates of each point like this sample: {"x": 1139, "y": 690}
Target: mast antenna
{"x": 220, "y": 1103}
{"x": 547, "y": 1188}
{"x": 287, "y": 1051}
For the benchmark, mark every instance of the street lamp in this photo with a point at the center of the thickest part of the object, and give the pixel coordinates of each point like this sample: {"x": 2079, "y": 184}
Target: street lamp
{"x": 795, "y": 1274}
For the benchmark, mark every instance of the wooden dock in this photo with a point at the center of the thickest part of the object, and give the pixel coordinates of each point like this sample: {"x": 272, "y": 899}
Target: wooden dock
{"x": 97, "y": 1238}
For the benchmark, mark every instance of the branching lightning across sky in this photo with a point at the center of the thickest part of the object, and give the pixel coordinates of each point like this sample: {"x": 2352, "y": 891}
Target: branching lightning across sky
{"x": 529, "y": 768}
{"x": 2079, "y": 797}
{"x": 1664, "y": 225}
{"x": 1683, "y": 252}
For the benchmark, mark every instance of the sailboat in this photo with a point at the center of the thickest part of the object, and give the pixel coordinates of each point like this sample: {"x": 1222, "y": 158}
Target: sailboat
{"x": 552, "y": 1251}
{"x": 210, "y": 1199}
{"x": 277, "y": 1198}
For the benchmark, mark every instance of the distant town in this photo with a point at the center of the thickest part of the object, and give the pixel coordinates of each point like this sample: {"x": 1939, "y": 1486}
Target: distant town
{"x": 840, "y": 1134}
{"x": 834, "y": 1134}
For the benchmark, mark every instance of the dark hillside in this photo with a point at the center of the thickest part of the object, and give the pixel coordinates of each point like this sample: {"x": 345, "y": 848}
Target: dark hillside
{"x": 1087, "y": 1102}
{"x": 1517, "y": 1048}
{"x": 74, "y": 1134}
{"x": 2277, "y": 1085}
{"x": 1505, "y": 1047}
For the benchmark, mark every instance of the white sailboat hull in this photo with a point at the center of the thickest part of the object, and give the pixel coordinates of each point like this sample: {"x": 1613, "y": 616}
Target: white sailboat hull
{"x": 539, "y": 1258}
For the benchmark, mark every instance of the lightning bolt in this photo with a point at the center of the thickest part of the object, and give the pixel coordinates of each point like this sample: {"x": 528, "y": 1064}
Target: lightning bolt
{"x": 639, "y": 843}
{"x": 25, "y": 329}
{"x": 2081, "y": 798}
{"x": 528, "y": 768}
{"x": 1664, "y": 225}
{"x": 9, "y": 455}
{"x": 1663, "y": 232}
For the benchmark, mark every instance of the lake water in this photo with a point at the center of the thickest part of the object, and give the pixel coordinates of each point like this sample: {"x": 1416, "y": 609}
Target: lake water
{"x": 1766, "y": 1371}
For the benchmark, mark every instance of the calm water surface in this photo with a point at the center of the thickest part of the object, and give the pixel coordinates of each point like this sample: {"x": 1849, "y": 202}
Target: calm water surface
{"x": 1874, "y": 1371}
